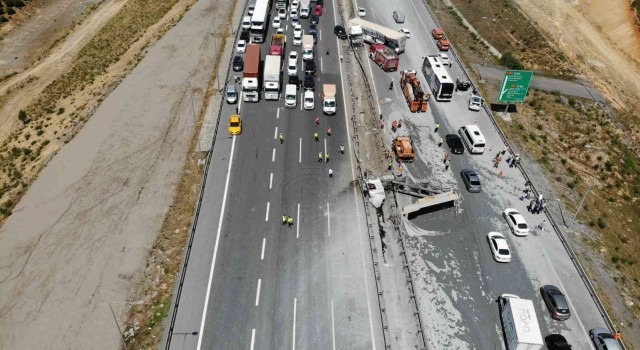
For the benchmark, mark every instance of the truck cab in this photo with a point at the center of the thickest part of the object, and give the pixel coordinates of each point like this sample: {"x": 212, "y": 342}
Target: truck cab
{"x": 307, "y": 47}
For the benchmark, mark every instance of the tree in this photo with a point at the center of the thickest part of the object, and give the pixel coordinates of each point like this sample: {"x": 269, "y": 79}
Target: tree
{"x": 22, "y": 115}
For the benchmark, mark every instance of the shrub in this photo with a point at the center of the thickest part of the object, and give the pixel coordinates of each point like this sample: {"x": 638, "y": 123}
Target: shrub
{"x": 22, "y": 115}
{"x": 11, "y": 11}
{"x": 510, "y": 61}
{"x": 602, "y": 223}
{"x": 60, "y": 110}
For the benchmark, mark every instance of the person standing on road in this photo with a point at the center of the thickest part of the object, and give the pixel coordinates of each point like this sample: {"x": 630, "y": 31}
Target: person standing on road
{"x": 315, "y": 136}
{"x": 284, "y": 219}
{"x": 281, "y": 137}
{"x": 389, "y": 164}
{"x": 446, "y": 164}
{"x": 330, "y": 173}
{"x": 342, "y": 149}
{"x": 290, "y": 221}
{"x": 326, "y": 157}
{"x": 441, "y": 142}
{"x": 437, "y": 127}
{"x": 320, "y": 157}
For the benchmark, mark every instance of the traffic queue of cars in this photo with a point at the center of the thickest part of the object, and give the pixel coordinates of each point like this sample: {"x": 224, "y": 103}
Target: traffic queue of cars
{"x": 471, "y": 138}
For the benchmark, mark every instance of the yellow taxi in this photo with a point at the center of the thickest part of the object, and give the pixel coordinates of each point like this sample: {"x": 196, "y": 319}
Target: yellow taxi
{"x": 235, "y": 125}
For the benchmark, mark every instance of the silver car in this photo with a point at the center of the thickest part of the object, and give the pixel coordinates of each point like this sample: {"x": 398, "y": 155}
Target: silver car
{"x": 471, "y": 180}
{"x": 603, "y": 339}
{"x": 231, "y": 95}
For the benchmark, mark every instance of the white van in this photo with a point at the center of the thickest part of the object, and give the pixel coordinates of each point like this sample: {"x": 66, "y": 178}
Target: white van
{"x": 290, "y": 96}
{"x": 473, "y": 138}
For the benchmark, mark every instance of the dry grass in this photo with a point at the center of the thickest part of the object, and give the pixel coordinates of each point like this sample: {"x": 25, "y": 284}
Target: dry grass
{"x": 46, "y": 125}
{"x": 574, "y": 140}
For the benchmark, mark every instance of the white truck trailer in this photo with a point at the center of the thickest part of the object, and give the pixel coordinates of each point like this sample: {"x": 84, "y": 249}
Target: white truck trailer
{"x": 329, "y": 99}
{"x": 373, "y": 33}
{"x": 272, "y": 78}
{"x": 307, "y": 47}
{"x": 305, "y": 8}
{"x": 519, "y": 322}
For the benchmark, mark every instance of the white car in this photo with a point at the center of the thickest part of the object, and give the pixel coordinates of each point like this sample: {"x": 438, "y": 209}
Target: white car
{"x": 309, "y": 100}
{"x": 297, "y": 36}
{"x": 246, "y": 22}
{"x": 475, "y": 103}
{"x": 499, "y": 247}
{"x": 252, "y": 8}
{"x": 361, "y": 12}
{"x": 406, "y": 32}
{"x": 292, "y": 67}
{"x": 276, "y": 22}
{"x": 295, "y": 4}
{"x": 280, "y": 30}
{"x": 293, "y": 13}
{"x": 516, "y": 222}
{"x": 295, "y": 21}
{"x": 293, "y": 55}
{"x": 282, "y": 13}
{"x": 241, "y": 47}
{"x": 444, "y": 58}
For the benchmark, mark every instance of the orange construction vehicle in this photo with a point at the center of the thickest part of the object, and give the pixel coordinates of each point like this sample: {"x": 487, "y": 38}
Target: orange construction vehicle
{"x": 403, "y": 148}
{"x": 417, "y": 99}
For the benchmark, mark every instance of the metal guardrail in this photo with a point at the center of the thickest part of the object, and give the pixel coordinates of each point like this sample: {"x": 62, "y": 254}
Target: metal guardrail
{"x": 194, "y": 224}
{"x": 559, "y": 233}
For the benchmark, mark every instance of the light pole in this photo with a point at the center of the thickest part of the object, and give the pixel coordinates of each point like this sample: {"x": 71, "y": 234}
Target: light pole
{"x": 115, "y": 319}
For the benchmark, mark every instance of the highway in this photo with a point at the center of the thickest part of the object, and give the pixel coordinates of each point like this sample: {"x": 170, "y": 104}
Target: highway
{"x": 450, "y": 255}
{"x": 253, "y": 283}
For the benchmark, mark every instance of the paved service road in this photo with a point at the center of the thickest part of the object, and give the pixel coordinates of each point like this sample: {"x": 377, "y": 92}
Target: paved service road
{"x": 457, "y": 276}
{"x": 308, "y": 286}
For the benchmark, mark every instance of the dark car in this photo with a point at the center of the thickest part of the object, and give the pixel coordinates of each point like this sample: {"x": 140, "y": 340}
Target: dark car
{"x": 313, "y": 29}
{"x": 320, "y": 2}
{"x": 310, "y": 67}
{"x": 238, "y": 64}
{"x": 293, "y": 79}
{"x": 556, "y": 342}
{"x": 340, "y": 32}
{"x": 309, "y": 82}
{"x": 455, "y": 143}
{"x": 244, "y": 35}
{"x": 314, "y": 19}
{"x": 556, "y": 302}
{"x": 471, "y": 180}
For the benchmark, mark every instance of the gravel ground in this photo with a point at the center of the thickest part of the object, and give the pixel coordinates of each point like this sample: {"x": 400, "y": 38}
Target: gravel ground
{"x": 79, "y": 237}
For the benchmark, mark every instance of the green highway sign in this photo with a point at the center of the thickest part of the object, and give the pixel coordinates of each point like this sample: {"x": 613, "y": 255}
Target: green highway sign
{"x": 515, "y": 85}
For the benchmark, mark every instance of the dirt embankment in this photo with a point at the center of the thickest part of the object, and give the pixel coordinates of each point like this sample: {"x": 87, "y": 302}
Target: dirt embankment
{"x": 600, "y": 36}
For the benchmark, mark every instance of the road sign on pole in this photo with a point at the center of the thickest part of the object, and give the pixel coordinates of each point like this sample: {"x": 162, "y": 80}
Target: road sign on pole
{"x": 515, "y": 85}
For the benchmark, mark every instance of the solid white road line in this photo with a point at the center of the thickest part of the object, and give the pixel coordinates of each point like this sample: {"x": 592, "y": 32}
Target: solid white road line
{"x": 301, "y": 100}
{"x": 253, "y": 338}
{"x": 355, "y": 194}
{"x": 300, "y": 151}
{"x": 320, "y": 34}
{"x": 270, "y": 180}
{"x": 266, "y": 217}
{"x": 264, "y": 244}
{"x": 298, "y": 221}
{"x": 325, "y": 146}
{"x": 333, "y": 327}
{"x": 273, "y": 156}
{"x": 295, "y": 307}
{"x": 240, "y": 102}
{"x": 275, "y": 133}
{"x": 321, "y": 66}
{"x": 328, "y": 221}
{"x": 215, "y": 249}
{"x": 258, "y": 292}
{"x": 278, "y": 114}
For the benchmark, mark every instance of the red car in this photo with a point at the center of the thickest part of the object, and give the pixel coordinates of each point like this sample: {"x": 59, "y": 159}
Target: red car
{"x": 318, "y": 10}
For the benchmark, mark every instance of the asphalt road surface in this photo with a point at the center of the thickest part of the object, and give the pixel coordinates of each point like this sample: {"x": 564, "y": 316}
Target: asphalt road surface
{"x": 253, "y": 283}
{"x": 457, "y": 277}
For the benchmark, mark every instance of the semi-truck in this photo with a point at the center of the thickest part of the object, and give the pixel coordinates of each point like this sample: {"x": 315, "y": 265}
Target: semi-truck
{"x": 281, "y": 4}
{"x": 329, "y": 99}
{"x": 278, "y": 45}
{"x": 272, "y": 78}
{"x": 519, "y": 322}
{"x": 251, "y": 75}
{"x": 373, "y": 33}
{"x": 384, "y": 57}
{"x": 307, "y": 47}
{"x": 355, "y": 34}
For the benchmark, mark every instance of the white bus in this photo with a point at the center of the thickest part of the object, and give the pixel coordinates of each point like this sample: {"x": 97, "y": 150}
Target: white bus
{"x": 259, "y": 23}
{"x": 438, "y": 78}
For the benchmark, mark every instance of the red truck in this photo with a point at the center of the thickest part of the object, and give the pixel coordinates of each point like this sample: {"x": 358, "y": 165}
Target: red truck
{"x": 278, "y": 45}
{"x": 384, "y": 57}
